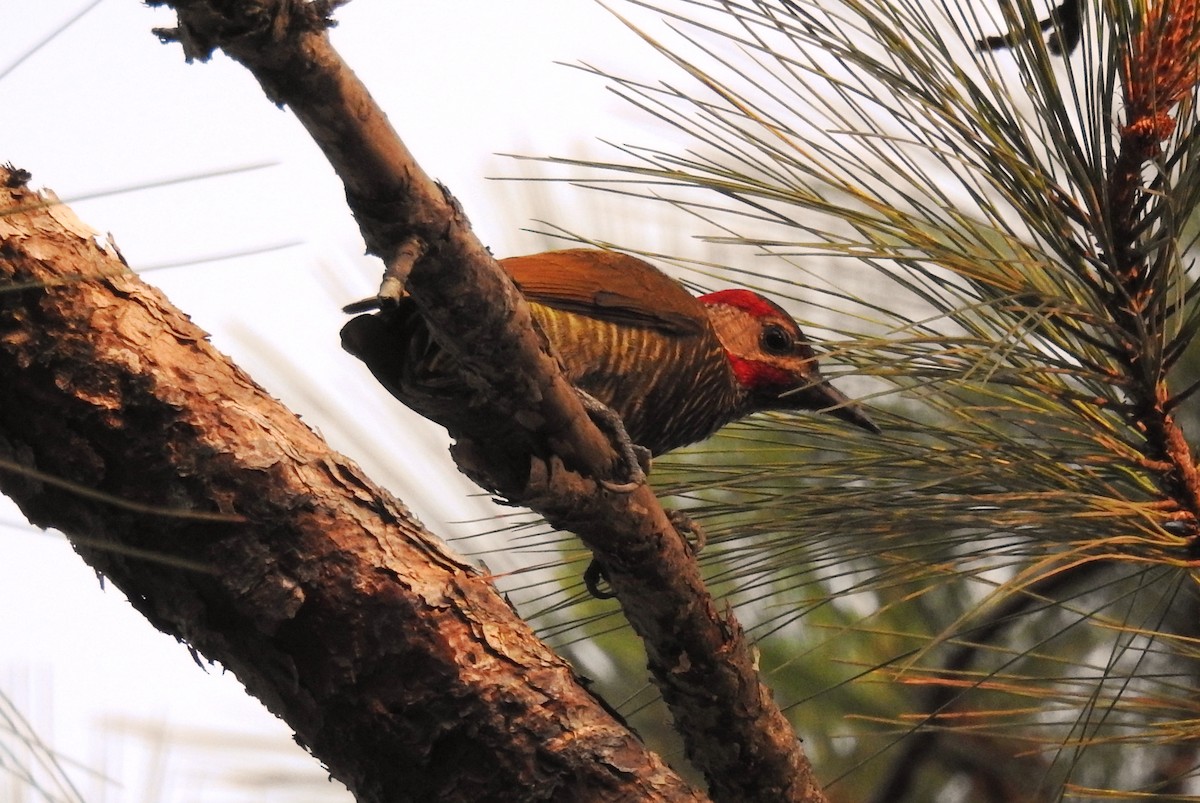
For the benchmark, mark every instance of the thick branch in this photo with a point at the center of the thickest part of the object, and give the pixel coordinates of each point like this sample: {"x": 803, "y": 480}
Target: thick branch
{"x": 395, "y": 662}
{"x": 731, "y": 725}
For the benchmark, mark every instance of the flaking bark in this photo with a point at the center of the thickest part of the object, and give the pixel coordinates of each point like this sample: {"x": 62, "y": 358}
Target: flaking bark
{"x": 230, "y": 525}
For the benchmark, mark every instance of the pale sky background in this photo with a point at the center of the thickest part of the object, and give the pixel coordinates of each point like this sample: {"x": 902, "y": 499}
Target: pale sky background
{"x": 105, "y": 106}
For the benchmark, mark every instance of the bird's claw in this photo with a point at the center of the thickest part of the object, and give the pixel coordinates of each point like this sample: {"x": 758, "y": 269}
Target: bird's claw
{"x": 689, "y": 530}
{"x": 634, "y": 459}
{"x": 593, "y": 576}
{"x": 623, "y": 487}
{"x": 637, "y": 476}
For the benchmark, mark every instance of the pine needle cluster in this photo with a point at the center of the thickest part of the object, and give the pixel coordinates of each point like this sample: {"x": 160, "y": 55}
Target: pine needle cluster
{"x": 988, "y": 211}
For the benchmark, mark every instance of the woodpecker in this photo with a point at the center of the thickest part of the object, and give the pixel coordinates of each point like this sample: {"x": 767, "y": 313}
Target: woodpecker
{"x": 674, "y": 367}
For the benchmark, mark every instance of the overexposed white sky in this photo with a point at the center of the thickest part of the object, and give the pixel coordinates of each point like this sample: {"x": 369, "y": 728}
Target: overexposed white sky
{"x": 106, "y": 107}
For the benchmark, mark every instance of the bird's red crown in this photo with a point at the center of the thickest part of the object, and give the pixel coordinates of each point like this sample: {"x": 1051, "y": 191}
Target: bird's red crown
{"x": 747, "y": 300}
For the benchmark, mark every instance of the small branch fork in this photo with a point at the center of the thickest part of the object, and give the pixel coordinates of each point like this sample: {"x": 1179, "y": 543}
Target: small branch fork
{"x": 698, "y": 655}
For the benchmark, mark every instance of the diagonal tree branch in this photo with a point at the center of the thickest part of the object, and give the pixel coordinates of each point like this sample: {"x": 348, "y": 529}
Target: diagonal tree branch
{"x": 230, "y": 525}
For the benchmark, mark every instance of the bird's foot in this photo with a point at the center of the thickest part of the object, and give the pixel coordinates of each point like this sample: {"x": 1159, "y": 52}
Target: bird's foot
{"x": 595, "y": 580}
{"x": 635, "y": 460}
{"x": 689, "y": 530}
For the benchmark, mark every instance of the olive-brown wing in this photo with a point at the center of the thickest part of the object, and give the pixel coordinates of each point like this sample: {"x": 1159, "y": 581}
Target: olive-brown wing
{"x": 608, "y": 286}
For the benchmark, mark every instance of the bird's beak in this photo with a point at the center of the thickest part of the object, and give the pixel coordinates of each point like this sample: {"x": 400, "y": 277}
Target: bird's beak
{"x": 824, "y": 397}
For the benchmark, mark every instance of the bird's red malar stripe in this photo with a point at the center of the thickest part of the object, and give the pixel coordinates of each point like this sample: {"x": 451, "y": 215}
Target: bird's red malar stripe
{"x": 746, "y": 300}
{"x": 757, "y": 375}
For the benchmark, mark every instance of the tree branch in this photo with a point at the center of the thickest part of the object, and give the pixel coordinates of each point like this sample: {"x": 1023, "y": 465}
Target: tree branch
{"x": 233, "y": 527}
{"x": 698, "y": 656}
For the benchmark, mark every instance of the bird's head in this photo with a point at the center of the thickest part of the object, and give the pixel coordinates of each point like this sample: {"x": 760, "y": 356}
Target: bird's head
{"x": 772, "y": 360}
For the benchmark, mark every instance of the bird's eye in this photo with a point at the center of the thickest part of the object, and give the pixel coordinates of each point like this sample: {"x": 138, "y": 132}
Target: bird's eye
{"x": 775, "y": 339}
